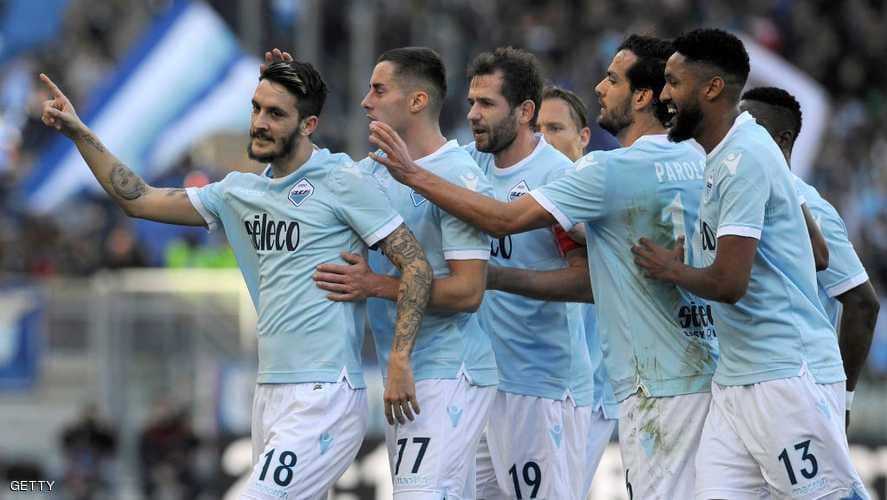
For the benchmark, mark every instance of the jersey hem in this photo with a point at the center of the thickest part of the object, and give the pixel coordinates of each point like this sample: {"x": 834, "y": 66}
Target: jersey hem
{"x": 737, "y": 230}
{"x": 663, "y": 388}
{"x": 467, "y": 254}
{"x": 384, "y": 231}
{"x": 847, "y": 285}
{"x": 212, "y": 223}
{"x": 353, "y": 378}
{"x": 551, "y": 208}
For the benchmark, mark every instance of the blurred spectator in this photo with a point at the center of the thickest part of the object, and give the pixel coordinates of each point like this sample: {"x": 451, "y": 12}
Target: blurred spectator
{"x": 88, "y": 444}
{"x": 168, "y": 452}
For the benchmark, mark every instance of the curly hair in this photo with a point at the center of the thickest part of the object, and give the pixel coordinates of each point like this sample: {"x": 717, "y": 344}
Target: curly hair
{"x": 716, "y": 48}
{"x": 781, "y": 99}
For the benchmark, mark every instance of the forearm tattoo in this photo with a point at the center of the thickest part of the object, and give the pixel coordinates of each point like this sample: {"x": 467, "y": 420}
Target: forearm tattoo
{"x": 92, "y": 141}
{"x": 414, "y": 292}
{"x": 126, "y": 183}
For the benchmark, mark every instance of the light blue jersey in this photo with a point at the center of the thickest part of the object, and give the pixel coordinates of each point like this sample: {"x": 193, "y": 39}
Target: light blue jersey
{"x": 447, "y": 342}
{"x": 539, "y": 346}
{"x": 779, "y": 325}
{"x": 603, "y": 390}
{"x": 280, "y": 231}
{"x": 655, "y": 337}
{"x": 845, "y": 271}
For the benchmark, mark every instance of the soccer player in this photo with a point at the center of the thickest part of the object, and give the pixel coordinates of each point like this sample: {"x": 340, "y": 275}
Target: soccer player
{"x": 844, "y": 288}
{"x": 310, "y": 408}
{"x": 545, "y": 372}
{"x": 563, "y": 121}
{"x": 659, "y": 342}
{"x": 775, "y": 422}
{"x": 431, "y": 457}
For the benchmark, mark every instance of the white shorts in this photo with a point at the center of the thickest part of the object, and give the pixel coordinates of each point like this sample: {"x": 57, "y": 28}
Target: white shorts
{"x": 534, "y": 448}
{"x": 304, "y": 437}
{"x": 432, "y": 457}
{"x": 778, "y": 439}
{"x": 659, "y": 438}
{"x": 599, "y": 434}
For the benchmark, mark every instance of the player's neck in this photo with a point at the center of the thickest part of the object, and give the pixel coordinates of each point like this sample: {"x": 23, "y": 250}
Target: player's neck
{"x": 422, "y": 138}
{"x": 522, "y": 146}
{"x": 301, "y": 153}
{"x": 714, "y": 127}
{"x": 644, "y": 124}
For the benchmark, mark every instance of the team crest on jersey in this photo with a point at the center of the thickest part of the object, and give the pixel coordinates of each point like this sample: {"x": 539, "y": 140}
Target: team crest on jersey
{"x": 301, "y": 192}
{"x": 418, "y": 199}
{"x": 520, "y": 189}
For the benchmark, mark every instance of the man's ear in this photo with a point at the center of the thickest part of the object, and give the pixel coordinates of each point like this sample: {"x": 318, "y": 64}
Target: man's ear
{"x": 527, "y": 112}
{"x": 584, "y": 137}
{"x": 715, "y": 87}
{"x": 785, "y": 139}
{"x": 308, "y": 125}
{"x": 419, "y": 100}
{"x": 642, "y": 98}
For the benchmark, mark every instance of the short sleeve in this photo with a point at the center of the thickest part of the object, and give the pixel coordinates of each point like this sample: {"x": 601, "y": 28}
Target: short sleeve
{"x": 845, "y": 271}
{"x": 460, "y": 240}
{"x": 579, "y": 196}
{"x": 208, "y": 201}
{"x": 361, "y": 204}
{"x": 743, "y": 188}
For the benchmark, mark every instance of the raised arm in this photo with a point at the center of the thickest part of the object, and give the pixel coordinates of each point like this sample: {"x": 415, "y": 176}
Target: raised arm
{"x": 413, "y": 292}
{"x": 125, "y": 187}
{"x": 570, "y": 284}
{"x": 492, "y": 216}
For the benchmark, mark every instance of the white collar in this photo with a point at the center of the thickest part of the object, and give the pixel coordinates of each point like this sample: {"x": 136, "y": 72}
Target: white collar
{"x": 451, "y": 144}
{"x": 741, "y": 119}
{"x": 525, "y": 161}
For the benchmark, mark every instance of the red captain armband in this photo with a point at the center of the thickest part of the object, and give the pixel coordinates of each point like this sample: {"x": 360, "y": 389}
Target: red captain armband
{"x": 564, "y": 242}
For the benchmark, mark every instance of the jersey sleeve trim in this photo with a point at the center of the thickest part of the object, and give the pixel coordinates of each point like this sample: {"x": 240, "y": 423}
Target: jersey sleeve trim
{"x": 551, "y": 208}
{"x": 383, "y": 232}
{"x": 467, "y": 254}
{"x": 736, "y": 230}
{"x": 212, "y": 223}
{"x": 847, "y": 285}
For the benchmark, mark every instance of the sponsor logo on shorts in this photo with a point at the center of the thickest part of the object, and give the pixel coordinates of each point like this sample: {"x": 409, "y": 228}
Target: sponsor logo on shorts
{"x": 556, "y": 433}
{"x": 326, "y": 440}
{"x": 809, "y": 488}
{"x": 455, "y": 414}
{"x": 263, "y": 490}
{"x": 412, "y": 480}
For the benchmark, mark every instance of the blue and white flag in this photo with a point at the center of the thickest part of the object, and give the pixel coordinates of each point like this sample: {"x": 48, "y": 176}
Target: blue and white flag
{"x": 186, "y": 79}
{"x": 20, "y": 339}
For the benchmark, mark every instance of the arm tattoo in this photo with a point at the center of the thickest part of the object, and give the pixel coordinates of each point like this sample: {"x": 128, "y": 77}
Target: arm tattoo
{"x": 126, "y": 183}
{"x": 175, "y": 192}
{"x": 92, "y": 141}
{"x": 404, "y": 252}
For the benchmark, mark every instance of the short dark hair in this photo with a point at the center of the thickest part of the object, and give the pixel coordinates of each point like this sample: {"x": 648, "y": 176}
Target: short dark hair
{"x": 303, "y": 81}
{"x": 719, "y": 49}
{"x": 648, "y": 72}
{"x": 423, "y": 64}
{"x": 578, "y": 111}
{"x": 781, "y": 99}
{"x": 521, "y": 74}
